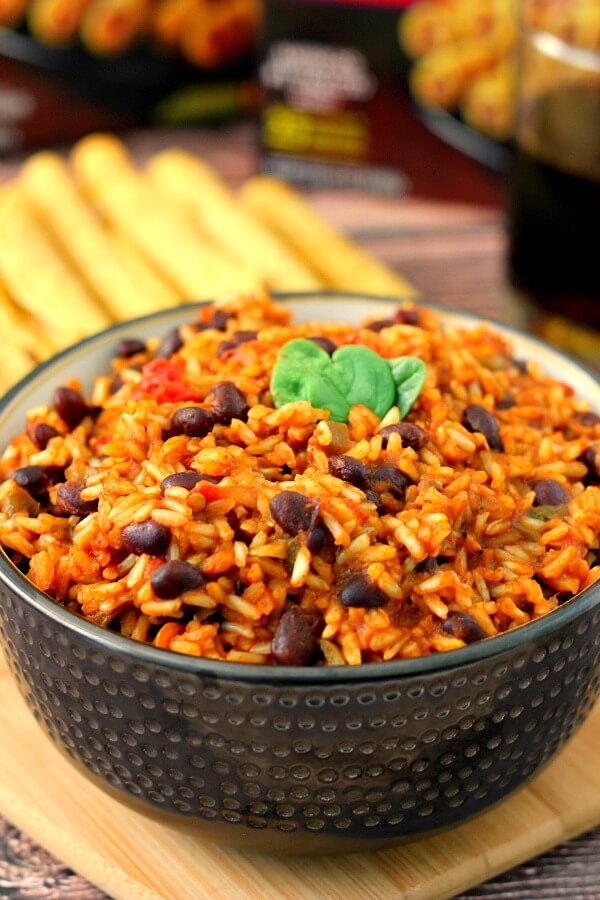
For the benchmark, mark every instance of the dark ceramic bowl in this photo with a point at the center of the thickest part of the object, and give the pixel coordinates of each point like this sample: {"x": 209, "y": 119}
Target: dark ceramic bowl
{"x": 307, "y": 760}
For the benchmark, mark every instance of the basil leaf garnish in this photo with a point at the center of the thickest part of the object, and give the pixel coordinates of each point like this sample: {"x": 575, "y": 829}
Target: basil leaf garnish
{"x": 352, "y": 375}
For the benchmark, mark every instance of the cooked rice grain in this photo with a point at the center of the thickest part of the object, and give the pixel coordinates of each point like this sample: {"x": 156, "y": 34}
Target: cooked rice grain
{"x": 466, "y": 537}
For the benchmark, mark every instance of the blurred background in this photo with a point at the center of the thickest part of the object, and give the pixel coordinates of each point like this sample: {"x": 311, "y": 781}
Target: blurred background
{"x": 442, "y": 148}
{"x": 493, "y": 103}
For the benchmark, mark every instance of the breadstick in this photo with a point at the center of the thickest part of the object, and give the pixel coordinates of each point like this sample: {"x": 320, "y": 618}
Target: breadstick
{"x": 38, "y": 277}
{"x": 164, "y": 232}
{"x": 51, "y": 190}
{"x": 158, "y": 292}
{"x": 14, "y": 364}
{"x": 341, "y": 263}
{"x": 24, "y": 332}
{"x": 195, "y": 184}
{"x": 97, "y": 157}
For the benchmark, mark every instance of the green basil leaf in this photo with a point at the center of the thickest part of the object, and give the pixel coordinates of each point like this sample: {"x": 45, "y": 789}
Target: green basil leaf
{"x": 354, "y": 374}
{"x": 325, "y": 393}
{"x": 408, "y": 373}
{"x": 303, "y": 371}
{"x": 364, "y": 377}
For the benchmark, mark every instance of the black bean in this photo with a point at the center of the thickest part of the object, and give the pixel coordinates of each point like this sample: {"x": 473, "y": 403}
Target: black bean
{"x": 316, "y": 537}
{"x": 507, "y": 402}
{"x": 129, "y": 347}
{"x": 295, "y": 639}
{"x": 186, "y": 480}
{"x": 68, "y": 499}
{"x": 360, "y": 591}
{"x": 348, "y": 469}
{"x": 37, "y": 479}
{"x": 242, "y": 337}
{"x": 412, "y": 436}
{"x": 428, "y": 565}
{"x": 70, "y": 406}
{"x": 191, "y": 421}
{"x": 549, "y": 493}
{"x": 293, "y": 512}
{"x": 519, "y": 364}
{"x": 380, "y": 324}
{"x": 591, "y": 458}
{"x": 387, "y": 478}
{"x": 41, "y": 434}
{"x": 407, "y": 317}
{"x": 324, "y": 343}
{"x": 224, "y": 347}
{"x": 477, "y": 418}
{"x": 219, "y": 320}
{"x": 462, "y": 626}
{"x": 227, "y": 402}
{"x": 170, "y": 344}
{"x": 116, "y": 383}
{"x": 146, "y": 537}
{"x": 587, "y": 419}
{"x": 175, "y": 578}
{"x": 373, "y": 497}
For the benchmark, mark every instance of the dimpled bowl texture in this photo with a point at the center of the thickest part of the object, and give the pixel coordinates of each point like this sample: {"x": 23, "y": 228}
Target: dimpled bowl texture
{"x": 301, "y": 760}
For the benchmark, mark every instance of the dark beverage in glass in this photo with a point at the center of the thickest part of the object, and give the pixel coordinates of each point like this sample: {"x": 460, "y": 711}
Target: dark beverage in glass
{"x": 554, "y": 199}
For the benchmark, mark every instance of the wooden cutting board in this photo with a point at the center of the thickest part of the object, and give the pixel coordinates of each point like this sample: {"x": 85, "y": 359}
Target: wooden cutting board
{"x": 132, "y": 857}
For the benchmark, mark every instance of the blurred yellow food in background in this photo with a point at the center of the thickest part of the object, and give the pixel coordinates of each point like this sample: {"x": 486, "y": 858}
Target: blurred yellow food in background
{"x": 463, "y": 52}
{"x": 198, "y": 187}
{"x": 95, "y": 239}
{"x": 211, "y": 34}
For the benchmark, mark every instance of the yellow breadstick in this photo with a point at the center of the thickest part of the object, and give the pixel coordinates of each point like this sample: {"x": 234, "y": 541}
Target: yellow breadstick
{"x": 159, "y": 292}
{"x": 341, "y": 263}
{"x": 52, "y": 191}
{"x": 24, "y": 331}
{"x": 196, "y": 185}
{"x": 162, "y": 231}
{"x": 98, "y": 156}
{"x": 39, "y": 278}
{"x": 14, "y": 364}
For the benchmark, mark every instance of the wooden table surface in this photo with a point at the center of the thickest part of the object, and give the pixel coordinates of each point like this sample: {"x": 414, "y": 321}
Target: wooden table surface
{"x": 453, "y": 252}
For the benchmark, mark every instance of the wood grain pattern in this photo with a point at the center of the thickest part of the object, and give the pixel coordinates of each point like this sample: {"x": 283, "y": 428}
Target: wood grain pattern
{"x": 133, "y": 857}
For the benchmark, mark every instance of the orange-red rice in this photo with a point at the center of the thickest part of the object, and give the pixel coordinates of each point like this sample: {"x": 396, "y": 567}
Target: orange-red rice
{"x": 465, "y": 539}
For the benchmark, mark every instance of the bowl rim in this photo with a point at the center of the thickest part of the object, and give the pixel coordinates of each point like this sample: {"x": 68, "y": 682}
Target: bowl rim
{"x": 16, "y": 582}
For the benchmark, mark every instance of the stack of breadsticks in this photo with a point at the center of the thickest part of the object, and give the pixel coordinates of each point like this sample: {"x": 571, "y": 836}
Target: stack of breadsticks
{"x": 93, "y": 240}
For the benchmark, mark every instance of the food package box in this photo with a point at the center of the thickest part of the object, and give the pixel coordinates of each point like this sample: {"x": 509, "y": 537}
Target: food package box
{"x": 334, "y": 77}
